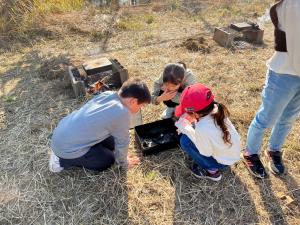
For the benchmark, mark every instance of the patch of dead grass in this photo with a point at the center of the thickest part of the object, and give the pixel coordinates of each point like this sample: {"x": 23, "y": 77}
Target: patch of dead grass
{"x": 161, "y": 190}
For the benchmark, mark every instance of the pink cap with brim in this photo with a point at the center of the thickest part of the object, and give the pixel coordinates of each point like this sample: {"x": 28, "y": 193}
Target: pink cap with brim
{"x": 194, "y": 98}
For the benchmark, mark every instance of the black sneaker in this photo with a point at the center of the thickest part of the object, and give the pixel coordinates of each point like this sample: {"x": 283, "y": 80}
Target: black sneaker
{"x": 275, "y": 162}
{"x": 255, "y": 166}
{"x": 202, "y": 173}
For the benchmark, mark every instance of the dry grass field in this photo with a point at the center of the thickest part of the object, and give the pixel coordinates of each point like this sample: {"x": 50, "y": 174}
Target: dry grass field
{"x": 34, "y": 97}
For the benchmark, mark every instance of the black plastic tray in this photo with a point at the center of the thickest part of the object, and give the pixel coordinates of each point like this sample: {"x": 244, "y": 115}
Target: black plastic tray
{"x": 156, "y": 137}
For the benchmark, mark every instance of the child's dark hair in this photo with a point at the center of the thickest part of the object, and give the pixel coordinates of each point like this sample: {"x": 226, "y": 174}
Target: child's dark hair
{"x": 135, "y": 88}
{"x": 219, "y": 118}
{"x": 173, "y": 73}
{"x": 183, "y": 64}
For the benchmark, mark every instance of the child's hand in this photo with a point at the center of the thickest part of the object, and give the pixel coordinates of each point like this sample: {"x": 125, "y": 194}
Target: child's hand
{"x": 184, "y": 121}
{"x": 166, "y": 95}
{"x": 189, "y": 118}
{"x": 133, "y": 161}
{"x": 178, "y": 131}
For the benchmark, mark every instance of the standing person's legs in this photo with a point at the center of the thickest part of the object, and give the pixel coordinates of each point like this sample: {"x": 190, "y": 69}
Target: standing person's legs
{"x": 280, "y": 132}
{"x": 98, "y": 158}
{"x": 279, "y": 91}
{"x": 275, "y": 97}
{"x": 285, "y": 123}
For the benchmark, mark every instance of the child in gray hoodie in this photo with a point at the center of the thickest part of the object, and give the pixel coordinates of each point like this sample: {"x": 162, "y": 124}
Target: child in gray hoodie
{"x": 97, "y": 135}
{"x": 169, "y": 86}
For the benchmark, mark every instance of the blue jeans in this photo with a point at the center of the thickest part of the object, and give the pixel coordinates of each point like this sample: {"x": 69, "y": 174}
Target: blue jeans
{"x": 279, "y": 110}
{"x": 208, "y": 163}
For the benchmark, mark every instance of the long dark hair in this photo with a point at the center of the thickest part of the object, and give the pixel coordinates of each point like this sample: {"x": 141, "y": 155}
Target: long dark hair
{"x": 219, "y": 118}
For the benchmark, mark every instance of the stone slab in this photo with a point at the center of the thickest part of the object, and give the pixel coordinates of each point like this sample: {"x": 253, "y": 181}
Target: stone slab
{"x": 97, "y": 65}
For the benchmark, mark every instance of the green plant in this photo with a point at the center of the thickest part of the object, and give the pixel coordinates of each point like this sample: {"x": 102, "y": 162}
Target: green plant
{"x": 9, "y": 98}
{"x": 98, "y": 35}
{"x": 149, "y": 19}
{"x": 151, "y": 175}
{"x": 130, "y": 24}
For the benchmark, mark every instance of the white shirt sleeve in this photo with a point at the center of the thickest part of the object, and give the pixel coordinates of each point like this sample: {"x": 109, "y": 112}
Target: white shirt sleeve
{"x": 291, "y": 25}
{"x": 289, "y": 21}
{"x": 200, "y": 139}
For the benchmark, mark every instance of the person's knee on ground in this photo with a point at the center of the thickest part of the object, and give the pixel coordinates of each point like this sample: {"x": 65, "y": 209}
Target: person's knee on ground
{"x": 107, "y": 162}
{"x": 98, "y": 158}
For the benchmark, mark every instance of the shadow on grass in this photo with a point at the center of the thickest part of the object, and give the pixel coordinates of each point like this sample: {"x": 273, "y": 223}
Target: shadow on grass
{"x": 291, "y": 173}
{"x": 270, "y": 202}
{"x": 34, "y": 101}
{"x": 293, "y": 208}
{"x": 90, "y": 198}
{"x": 200, "y": 201}
{"x": 292, "y": 185}
{"x": 14, "y": 42}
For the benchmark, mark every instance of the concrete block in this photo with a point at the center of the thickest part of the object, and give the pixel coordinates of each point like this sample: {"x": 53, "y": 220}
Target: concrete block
{"x": 254, "y": 35}
{"x": 81, "y": 78}
{"x": 97, "y": 66}
{"x": 240, "y": 26}
{"x": 223, "y": 37}
{"x": 117, "y": 68}
{"x": 77, "y": 84}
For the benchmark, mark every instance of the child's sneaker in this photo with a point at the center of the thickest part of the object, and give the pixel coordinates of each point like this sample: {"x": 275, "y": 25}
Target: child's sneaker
{"x": 54, "y": 165}
{"x": 275, "y": 162}
{"x": 202, "y": 173}
{"x": 254, "y": 165}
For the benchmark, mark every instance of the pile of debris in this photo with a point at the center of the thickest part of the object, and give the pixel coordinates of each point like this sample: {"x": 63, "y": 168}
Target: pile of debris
{"x": 196, "y": 44}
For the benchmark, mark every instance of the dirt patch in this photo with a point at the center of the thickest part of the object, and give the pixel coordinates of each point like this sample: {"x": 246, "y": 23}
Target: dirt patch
{"x": 196, "y": 44}
{"x": 7, "y": 196}
{"x": 53, "y": 69}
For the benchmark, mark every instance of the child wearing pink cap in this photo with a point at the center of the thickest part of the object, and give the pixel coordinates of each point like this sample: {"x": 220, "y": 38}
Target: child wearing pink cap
{"x": 208, "y": 136}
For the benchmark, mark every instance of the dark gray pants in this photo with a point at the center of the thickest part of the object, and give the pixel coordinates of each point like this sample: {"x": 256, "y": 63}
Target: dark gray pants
{"x": 98, "y": 158}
